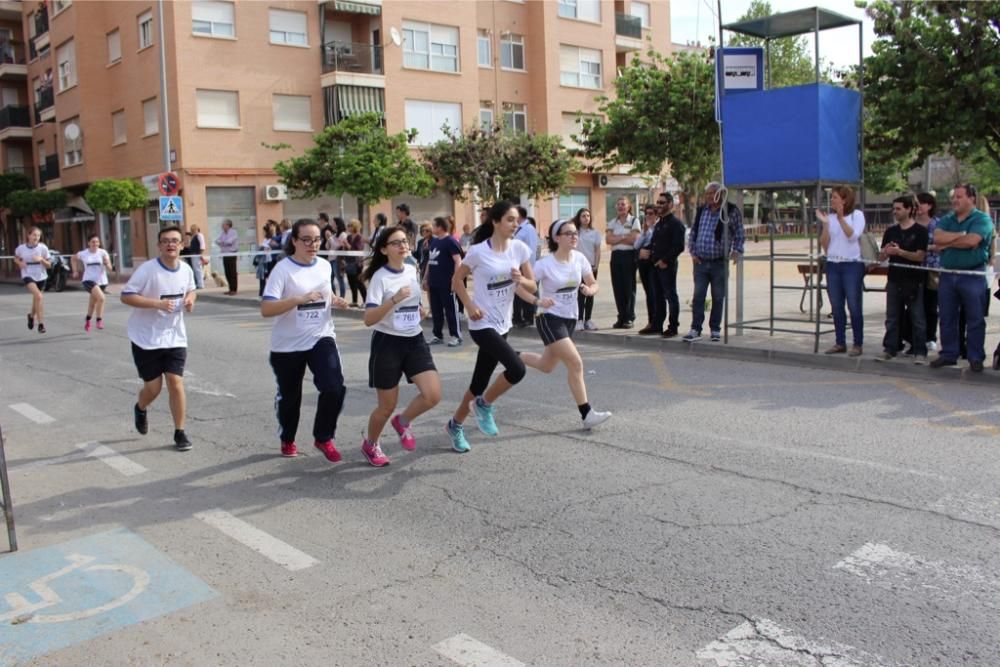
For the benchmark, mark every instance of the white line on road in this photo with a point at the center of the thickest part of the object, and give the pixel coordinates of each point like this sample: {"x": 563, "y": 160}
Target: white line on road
{"x": 764, "y": 642}
{"x": 468, "y": 652}
{"x": 270, "y": 547}
{"x": 32, "y": 413}
{"x": 124, "y": 465}
{"x": 970, "y": 506}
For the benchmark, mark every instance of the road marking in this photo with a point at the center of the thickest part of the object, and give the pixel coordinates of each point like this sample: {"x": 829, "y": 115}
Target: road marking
{"x": 124, "y": 465}
{"x": 881, "y": 565}
{"x": 970, "y": 506}
{"x": 764, "y": 642}
{"x": 270, "y": 547}
{"x": 969, "y": 418}
{"x": 66, "y": 458}
{"x": 667, "y": 380}
{"x": 468, "y": 652}
{"x": 32, "y": 413}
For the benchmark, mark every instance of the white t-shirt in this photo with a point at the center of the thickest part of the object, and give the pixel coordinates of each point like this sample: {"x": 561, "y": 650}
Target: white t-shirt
{"x": 560, "y": 281}
{"x": 590, "y": 244}
{"x": 617, "y": 228}
{"x": 404, "y": 318}
{"x": 843, "y": 249}
{"x": 35, "y": 269}
{"x": 150, "y": 328}
{"x": 493, "y": 287}
{"x": 300, "y": 328}
{"x": 93, "y": 265}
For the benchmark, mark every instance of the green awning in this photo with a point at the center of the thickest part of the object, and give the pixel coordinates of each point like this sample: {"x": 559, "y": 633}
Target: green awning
{"x": 357, "y": 7}
{"x": 353, "y": 100}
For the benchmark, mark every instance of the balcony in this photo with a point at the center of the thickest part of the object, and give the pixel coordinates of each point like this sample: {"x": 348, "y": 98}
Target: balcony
{"x": 370, "y": 7}
{"x": 48, "y": 171}
{"x": 12, "y": 65}
{"x": 628, "y": 33}
{"x": 351, "y": 63}
{"x": 44, "y": 105}
{"x": 41, "y": 22}
{"x": 15, "y": 123}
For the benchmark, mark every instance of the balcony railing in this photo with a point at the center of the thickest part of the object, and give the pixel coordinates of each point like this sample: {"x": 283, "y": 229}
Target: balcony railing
{"x": 14, "y": 116}
{"x": 48, "y": 171}
{"x": 10, "y": 54}
{"x": 352, "y": 57}
{"x": 628, "y": 26}
{"x": 44, "y": 98}
{"x": 16, "y": 170}
{"x": 41, "y": 22}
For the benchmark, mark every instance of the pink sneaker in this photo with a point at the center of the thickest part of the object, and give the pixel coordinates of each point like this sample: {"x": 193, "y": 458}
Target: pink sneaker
{"x": 373, "y": 452}
{"x": 329, "y": 450}
{"x": 86, "y": 325}
{"x": 100, "y": 323}
{"x": 289, "y": 450}
{"x": 406, "y": 438}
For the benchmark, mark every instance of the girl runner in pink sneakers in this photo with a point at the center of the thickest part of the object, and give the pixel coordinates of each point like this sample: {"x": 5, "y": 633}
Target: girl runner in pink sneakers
{"x": 393, "y": 310}
{"x": 298, "y": 296}
{"x": 95, "y": 265}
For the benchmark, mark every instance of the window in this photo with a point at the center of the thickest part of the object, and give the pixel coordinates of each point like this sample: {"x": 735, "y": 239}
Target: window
{"x": 572, "y": 201}
{"x": 118, "y": 133}
{"x": 427, "y": 118}
{"x": 59, "y": 5}
{"x": 579, "y": 67}
{"x": 288, "y": 27}
{"x": 641, "y": 10}
{"x": 485, "y": 116}
{"x": 512, "y": 51}
{"x": 292, "y": 112}
{"x": 145, "y": 30}
{"x": 218, "y": 108}
{"x": 484, "y": 48}
{"x": 429, "y": 46}
{"x": 515, "y": 117}
{"x": 66, "y": 65}
{"x": 213, "y": 18}
{"x": 582, "y": 10}
{"x": 72, "y": 142}
{"x": 150, "y": 117}
{"x": 114, "y": 46}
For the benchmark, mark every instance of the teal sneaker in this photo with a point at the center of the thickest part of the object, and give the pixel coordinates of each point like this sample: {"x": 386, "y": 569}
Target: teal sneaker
{"x": 484, "y": 418}
{"x": 457, "y": 435}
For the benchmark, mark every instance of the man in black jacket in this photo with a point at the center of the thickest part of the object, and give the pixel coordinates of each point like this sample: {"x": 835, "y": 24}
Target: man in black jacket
{"x": 668, "y": 244}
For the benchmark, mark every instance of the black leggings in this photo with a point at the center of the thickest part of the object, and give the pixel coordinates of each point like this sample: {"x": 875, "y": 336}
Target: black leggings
{"x": 354, "y": 280}
{"x": 493, "y": 349}
{"x": 585, "y": 304}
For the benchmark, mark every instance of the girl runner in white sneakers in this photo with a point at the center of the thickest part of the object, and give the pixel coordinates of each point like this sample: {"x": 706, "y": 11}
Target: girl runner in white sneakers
{"x": 95, "y": 265}
{"x": 498, "y": 264}
{"x": 561, "y": 275}
{"x": 398, "y": 348}
{"x": 298, "y": 295}
{"x": 34, "y": 260}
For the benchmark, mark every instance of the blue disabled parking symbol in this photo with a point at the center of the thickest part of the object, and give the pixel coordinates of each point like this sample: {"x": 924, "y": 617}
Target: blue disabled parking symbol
{"x": 57, "y": 596}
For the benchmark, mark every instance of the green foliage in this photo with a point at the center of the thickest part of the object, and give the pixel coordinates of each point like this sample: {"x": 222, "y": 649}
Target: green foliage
{"x": 932, "y": 80}
{"x": 27, "y": 202}
{"x": 791, "y": 63}
{"x": 357, "y": 157}
{"x": 983, "y": 171}
{"x": 12, "y": 183}
{"x": 483, "y": 160}
{"x": 663, "y": 111}
{"x": 110, "y": 195}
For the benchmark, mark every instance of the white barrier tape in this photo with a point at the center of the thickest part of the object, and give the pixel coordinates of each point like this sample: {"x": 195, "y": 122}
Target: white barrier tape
{"x": 929, "y": 269}
{"x": 254, "y": 253}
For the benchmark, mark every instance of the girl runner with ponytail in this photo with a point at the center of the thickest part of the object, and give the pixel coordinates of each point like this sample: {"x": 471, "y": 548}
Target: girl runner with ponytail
{"x": 498, "y": 264}
{"x": 96, "y": 264}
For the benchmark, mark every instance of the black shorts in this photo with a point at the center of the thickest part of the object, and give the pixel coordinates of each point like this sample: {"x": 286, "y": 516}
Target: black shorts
{"x": 40, "y": 283}
{"x": 393, "y": 356}
{"x": 552, "y": 328}
{"x": 89, "y": 285}
{"x": 151, "y": 364}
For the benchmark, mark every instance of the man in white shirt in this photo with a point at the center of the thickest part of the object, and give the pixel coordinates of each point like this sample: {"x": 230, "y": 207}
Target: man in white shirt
{"x": 229, "y": 242}
{"x": 160, "y": 291}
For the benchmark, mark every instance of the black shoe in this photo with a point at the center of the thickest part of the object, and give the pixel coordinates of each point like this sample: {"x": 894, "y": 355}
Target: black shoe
{"x": 618, "y": 325}
{"x": 181, "y": 441}
{"x": 41, "y": 328}
{"x": 649, "y": 330}
{"x": 141, "y": 423}
{"x": 941, "y": 362}
{"x": 976, "y": 366}
{"x": 996, "y": 360}
{"x": 31, "y": 321}
{"x": 670, "y": 333}
{"x": 627, "y": 324}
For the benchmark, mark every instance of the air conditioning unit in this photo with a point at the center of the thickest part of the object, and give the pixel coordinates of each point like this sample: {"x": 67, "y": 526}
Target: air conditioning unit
{"x": 600, "y": 180}
{"x": 275, "y": 192}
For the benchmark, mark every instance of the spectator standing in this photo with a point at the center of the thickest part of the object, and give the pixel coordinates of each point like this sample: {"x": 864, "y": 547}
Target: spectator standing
{"x": 644, "y": 248}
{"x": 352, "y": 265}
{"x": 228, "y": 243}
{"x": 465, "y": 240}
{"x": 668, "y": 244}
{"x": 845, "y": 269}
{"x": 380, "y": 222}
{"x": 423, "y": 248}
{"x": 590, "y": 247}
{"x": 925, "y": 216}
{"x": 444, "y": 256}
{"x": 904, "y": 244}
{"x": 621, "y": 236}
{"x": 524, "y": 311}
{"x": 196, "y": 259}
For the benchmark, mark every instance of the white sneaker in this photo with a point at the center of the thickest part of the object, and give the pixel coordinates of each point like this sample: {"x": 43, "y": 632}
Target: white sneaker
{"x": 932, "y": 346}
{"x": 455, "y": 341}
{"x": 580, "y": 325}
{"x": 590, "y": 325}
{"x": 594, "y": 418}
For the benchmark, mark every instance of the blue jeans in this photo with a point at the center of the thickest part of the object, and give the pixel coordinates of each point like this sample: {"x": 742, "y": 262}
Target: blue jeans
{"x": 845, "y": 282}
{"x": 708, "y": 272}
{"x": 966, "y": 292}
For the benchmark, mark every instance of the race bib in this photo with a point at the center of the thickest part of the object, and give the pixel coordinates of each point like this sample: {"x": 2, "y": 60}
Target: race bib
{"x": 310, "y": 315}
{"x": 406, "y": 318}
{"x": 176, "y": 299}
{"x": 500, "y": 288}
{"x": 565, "y": 296}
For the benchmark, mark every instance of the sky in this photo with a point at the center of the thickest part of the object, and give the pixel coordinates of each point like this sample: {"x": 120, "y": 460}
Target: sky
{"x": 695, "y": 20}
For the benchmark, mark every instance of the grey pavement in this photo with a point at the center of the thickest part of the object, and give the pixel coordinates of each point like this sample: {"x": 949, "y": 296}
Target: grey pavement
{"x": 730, "y": 513}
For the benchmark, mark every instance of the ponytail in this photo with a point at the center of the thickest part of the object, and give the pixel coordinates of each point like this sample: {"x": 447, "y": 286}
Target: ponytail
{"x": 494, "y": 214}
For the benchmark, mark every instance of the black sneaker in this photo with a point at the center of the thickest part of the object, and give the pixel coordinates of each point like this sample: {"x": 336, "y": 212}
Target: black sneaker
{"x": 141, "y": 424}
{"x": 41, "y": 328}
{"x": 941, "y": 361}
{"x": 181, "y": 441}
{"x": 976, "y": 366}
{"x": 31, "y": 321}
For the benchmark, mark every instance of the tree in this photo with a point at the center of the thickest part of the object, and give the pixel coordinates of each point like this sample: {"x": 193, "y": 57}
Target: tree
{"x": 40, "y": 202}
{"x": 663, "y": 111}
{"x": 357, "y": 157}
{"x": 932, "y": 78}
{"x": 112, "y": 196}
{"x": 494, "y": 162}
{"x": 12, "y": 183}
{"x": 791, "y": 64}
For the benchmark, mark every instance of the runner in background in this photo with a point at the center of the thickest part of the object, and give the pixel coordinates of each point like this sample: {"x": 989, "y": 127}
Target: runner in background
{"x": 33, "y": 259}
{"x": 95, "y": 265}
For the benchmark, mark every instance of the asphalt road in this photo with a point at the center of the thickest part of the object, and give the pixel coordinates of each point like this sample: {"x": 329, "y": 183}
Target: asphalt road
{"x": 729, "y": 514}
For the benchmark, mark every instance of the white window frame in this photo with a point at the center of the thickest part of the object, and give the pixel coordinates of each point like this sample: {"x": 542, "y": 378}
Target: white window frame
{"x": 580, "y": 10}
{"x": 570, "y": 202}
{"x": 509, "y": 43}
{"x": 145, "y": 23}
{"x": 119, "y": 128}
{"x": 513, "y": 111}
{"x": 214, "y": 26}
{"x": 71, "y": 156}
{"x": 59, "y": 6}
{"x": 66, "y": 65}
{"x": 286, "y": 125}
{"x": 433, "y": 128}
{"x": 589, "y": 66}
{"x": 645, "y": 16}
{"x": 485, "y": 117}
{"x": 154, "y": 104}
{"x": 281, "y": 34}
{"x": 113, "y": 40}
{"x": 414, "y": 57}
{"x": 209, "y": 93}
{"x": 484, "y": 41}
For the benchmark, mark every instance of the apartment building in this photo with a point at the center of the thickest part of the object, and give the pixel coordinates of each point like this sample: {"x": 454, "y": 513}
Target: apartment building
{"x": 244, "y": 76}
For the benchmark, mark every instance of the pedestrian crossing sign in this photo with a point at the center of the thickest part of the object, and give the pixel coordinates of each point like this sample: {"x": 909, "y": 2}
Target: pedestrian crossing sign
{"x": 171, "y": 209}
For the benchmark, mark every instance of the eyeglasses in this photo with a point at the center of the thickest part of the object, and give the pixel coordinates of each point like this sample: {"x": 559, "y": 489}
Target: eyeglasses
{"x": 571, "y": 235}
{"x": 399, "y": 243}
{"x": 170, "y": 242}
{"x": 310, "y": 240}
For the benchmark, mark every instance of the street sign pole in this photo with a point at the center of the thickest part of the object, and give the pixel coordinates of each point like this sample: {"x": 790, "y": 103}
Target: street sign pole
{"x": 8, "y": 508}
